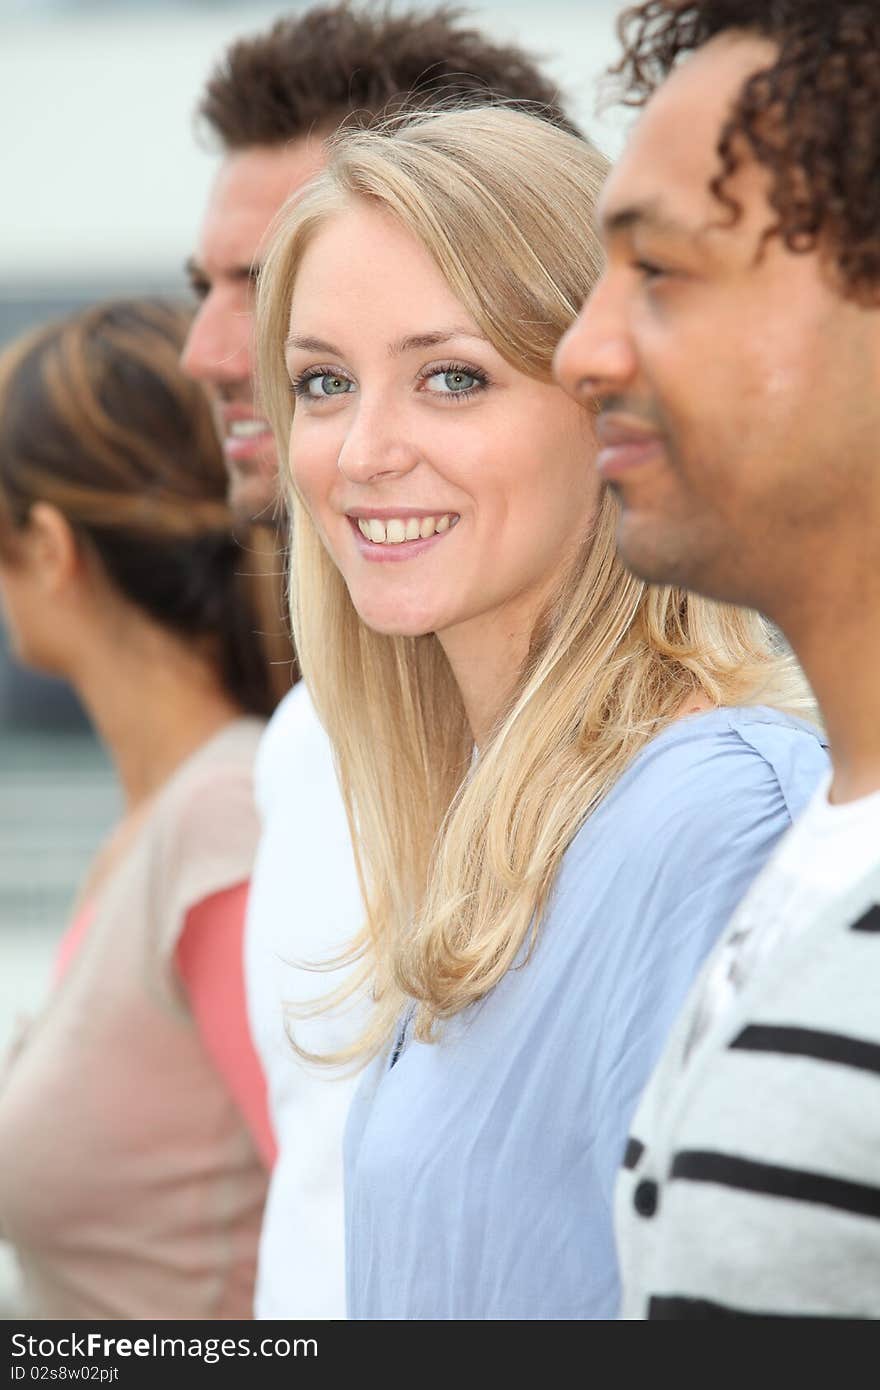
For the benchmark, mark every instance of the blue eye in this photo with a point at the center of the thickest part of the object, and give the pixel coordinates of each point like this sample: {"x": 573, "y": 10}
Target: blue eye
{"x": 454, "y": 381}
{"x": 320, "y": 383}
{"x": 457, "y": 381}
{"x": 325, "y": 384}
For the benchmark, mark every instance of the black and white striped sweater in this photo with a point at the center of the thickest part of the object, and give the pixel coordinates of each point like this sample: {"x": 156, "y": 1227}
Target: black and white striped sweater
{"x": 751, "y": 1182}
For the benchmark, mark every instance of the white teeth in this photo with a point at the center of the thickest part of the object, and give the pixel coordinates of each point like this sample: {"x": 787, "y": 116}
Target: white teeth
{"x": 247, "y": 429}
{"x": 397, "y": 529}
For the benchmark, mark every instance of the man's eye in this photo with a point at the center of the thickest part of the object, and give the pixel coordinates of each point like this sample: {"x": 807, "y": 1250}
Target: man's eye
{"x": 650, "y": 271}
{"x": 200, "y": 288}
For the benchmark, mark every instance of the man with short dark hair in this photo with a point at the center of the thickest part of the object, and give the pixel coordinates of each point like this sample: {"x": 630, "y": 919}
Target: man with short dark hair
{"x": 271, "y": 103}
{"x": 733, "y": 346}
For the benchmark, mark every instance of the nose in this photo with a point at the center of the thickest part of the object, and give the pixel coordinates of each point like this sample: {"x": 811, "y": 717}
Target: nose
{"x": 218, "y": 346}
{"x": 595, "y": 357}
{"x": 377, "y": 444}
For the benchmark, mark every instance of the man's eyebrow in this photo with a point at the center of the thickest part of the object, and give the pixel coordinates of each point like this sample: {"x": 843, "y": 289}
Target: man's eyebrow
{"x": 194, "y": 269}
{"x": 651, "y": 215}
{"x": 411, "y": 343}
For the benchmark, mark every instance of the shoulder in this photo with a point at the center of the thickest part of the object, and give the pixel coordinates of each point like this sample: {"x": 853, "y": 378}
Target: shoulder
{"x": 294, "y": 747}
{"x": 728, "y": 760}
{"x": 222, "y": 767}
{"x": 700, "y": 809}
{"x": 205, "y": 820}
{"x": 669, "y": 854}
{"x": 201, "y": 837}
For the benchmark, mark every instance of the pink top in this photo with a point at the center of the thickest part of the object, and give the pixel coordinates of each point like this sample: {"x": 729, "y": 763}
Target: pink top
{"x": 131, "y": 1179}
{"x": 209, "y": 962}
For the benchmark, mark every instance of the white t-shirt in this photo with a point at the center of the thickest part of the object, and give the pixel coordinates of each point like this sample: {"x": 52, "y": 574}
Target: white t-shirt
{"x": 827, "y": 850}
{"x": 304, "y": 906}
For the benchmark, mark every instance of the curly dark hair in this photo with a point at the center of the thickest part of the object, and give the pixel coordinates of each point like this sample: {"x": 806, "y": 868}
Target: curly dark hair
{"x": 311, "y": 70}
{"x": 812, "y": 118}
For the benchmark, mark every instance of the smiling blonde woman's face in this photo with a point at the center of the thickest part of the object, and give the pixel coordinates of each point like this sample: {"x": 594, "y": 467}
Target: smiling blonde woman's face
{"x": 447, "y": 486}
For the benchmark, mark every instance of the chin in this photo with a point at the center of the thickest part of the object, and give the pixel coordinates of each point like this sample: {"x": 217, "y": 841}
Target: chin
{"x": 687, "y": 557}
{"x": 253, "y": 498}
{"x": 395, "y": 621}
{"x": 397, "y": 627}
{"x": 651, "y": 551}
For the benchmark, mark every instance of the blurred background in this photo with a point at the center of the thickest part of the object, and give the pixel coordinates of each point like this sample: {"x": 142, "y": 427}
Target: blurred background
{"x": 105, "y": 180}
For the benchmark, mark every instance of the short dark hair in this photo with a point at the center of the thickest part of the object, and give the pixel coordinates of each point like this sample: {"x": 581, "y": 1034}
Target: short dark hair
{"x": 311, "y": 70}
{"x": 98, "y": 419}
{"x": 812, "y": 117}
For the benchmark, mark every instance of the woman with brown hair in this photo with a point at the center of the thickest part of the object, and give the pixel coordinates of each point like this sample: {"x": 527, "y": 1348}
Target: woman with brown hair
{"x": 134, "y": 1139}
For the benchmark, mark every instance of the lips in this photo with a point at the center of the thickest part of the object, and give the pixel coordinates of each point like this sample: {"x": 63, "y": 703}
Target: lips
{"x": 625, "y": 445}
{"x": 246, "y": 435}
{"x": 400, "y": 535}
{"x": 398, "y": 530}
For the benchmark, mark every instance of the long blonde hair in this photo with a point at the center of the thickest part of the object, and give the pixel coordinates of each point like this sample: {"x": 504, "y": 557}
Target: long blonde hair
{"x": 456, "y": 861}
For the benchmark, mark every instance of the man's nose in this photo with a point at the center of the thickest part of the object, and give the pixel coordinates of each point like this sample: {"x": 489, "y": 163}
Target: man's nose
{"x": 218, "y": 346}
{"x": 596, "y": 357}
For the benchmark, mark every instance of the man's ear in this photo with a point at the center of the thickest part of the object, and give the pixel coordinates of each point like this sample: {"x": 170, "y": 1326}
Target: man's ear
{"x": 51, "y": 547}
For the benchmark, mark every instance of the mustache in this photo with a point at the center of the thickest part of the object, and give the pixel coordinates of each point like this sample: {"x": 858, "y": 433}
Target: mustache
{"x": 634, "y": 409}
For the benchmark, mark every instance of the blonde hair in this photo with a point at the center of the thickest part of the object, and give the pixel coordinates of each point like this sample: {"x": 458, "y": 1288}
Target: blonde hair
{"x": 457, "y": 861}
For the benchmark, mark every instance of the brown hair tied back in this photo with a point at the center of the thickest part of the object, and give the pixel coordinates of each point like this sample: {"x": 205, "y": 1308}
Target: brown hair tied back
{"x": 97, "y": 418}
{"x": 812, "y": 118}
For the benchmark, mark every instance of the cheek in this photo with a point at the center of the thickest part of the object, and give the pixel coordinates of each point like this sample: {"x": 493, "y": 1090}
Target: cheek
{"x": 312, "y": 464}
{"x": 685, "y": 350}
{"x": 313, "y": 471}
{"x": 550, "y": 492}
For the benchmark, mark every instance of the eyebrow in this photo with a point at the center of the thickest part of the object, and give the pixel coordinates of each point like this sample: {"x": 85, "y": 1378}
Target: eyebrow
{"x": 411, "y": 343}
{"x": 193, "y": 268}
{"x": 650, "y": 215}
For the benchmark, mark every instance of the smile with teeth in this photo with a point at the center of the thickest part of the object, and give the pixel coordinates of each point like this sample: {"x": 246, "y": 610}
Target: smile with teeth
{"x": 397, "y": 529}
{"x": 247, "y": 429}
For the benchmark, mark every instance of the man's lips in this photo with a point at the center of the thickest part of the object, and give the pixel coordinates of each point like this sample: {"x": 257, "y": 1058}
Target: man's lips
{"x": 624, "y": 445}
{"x": 246, "y": 435}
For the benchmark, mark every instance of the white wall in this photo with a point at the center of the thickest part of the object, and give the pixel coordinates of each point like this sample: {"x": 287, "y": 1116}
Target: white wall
{"x": 101, "y": 173}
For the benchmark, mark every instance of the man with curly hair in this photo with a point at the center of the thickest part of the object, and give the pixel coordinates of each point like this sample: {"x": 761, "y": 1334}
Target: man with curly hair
{"x": 271, "y": 103}
{"x": 733, "y": 350}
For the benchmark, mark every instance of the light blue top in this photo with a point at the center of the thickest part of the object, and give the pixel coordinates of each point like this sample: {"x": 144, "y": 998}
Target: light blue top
{"x": 480, "y": 1170}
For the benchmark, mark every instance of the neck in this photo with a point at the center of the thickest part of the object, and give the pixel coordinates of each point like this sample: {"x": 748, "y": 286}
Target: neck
{"x": 487, "y": 655}
{"x": 153, "y": 701}
{"x": 839, "y": 652}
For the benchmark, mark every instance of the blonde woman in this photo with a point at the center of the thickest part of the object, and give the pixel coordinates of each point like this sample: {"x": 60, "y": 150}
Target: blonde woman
{"x": 560, "y": 781}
